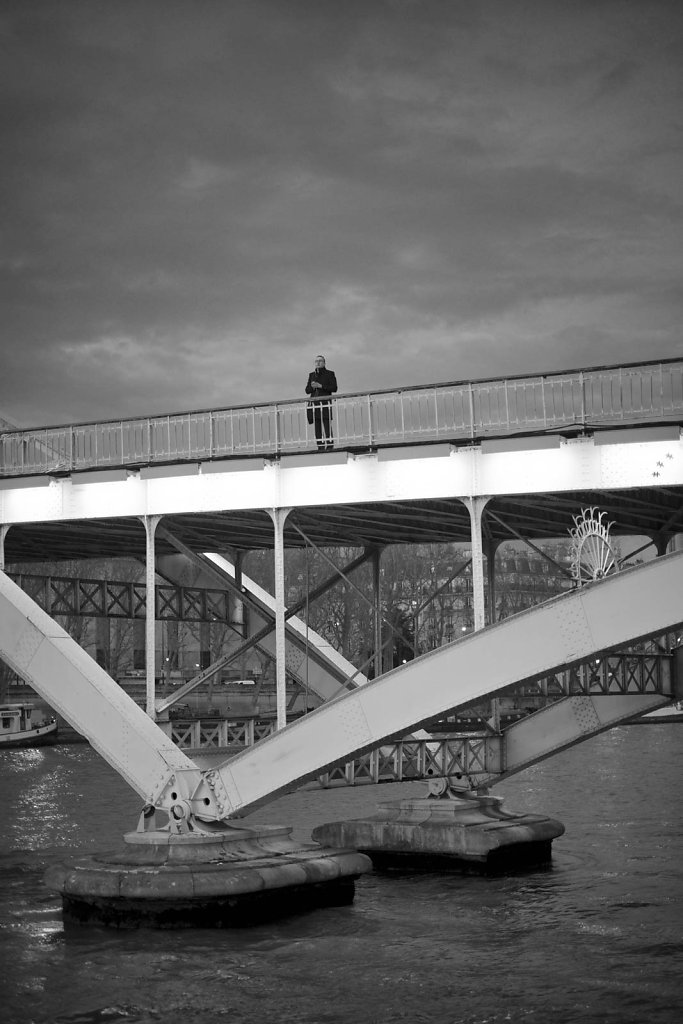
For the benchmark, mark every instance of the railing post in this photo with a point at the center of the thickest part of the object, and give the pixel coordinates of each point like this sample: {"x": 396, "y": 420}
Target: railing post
{"x": 582, "y": 415}
{"x": 374, "y": 765}
{"x": 223, "y": 732}
{"x": 621, "y": 394}
{"x": 545, "y": 416}
{"x": 211, "y": 434}
{"x": 371, "y": 427}
{"x": 471, "y": 398}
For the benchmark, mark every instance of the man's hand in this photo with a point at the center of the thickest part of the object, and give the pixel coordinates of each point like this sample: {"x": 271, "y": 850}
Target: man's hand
{"x": 315, "y": 384}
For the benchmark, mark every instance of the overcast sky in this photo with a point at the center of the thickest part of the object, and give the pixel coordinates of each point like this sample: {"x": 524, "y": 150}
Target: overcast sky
{"x": 198, "y": 196}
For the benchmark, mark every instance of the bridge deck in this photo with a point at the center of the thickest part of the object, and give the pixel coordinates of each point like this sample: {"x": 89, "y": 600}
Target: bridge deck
{"x": 595, "y": 398}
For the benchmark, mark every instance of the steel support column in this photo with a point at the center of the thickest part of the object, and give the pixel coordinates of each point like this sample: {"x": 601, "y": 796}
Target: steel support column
{"x": 3, "y": 533}
{"x": 238, "y": 610}
{"x": 476, "y": 507}
{"x": 279, "y": 516}
{"x": 491, "y": 548}
{"x": 378, "y": 662}
{"x": 150, "y": 523}
{"x": 661, "y": 542}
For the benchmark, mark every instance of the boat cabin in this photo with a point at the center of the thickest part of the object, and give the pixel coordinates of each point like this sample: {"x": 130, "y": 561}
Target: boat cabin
{"x": 15, "y": 718}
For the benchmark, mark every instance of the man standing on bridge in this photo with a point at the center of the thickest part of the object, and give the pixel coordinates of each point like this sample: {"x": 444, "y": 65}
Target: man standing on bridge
{"x": 321, "y": 384}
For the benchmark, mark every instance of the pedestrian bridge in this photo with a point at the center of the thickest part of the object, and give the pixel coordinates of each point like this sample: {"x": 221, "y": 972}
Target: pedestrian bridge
{"x": 592, "y": 399}
{"x": 476, "y": 463}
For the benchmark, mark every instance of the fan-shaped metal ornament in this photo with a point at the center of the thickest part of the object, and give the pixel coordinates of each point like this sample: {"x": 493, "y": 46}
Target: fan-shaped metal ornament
{"x": 593, "y": 556}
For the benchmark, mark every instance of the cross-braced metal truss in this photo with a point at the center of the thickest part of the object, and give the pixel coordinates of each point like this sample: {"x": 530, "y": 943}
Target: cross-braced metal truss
{"x": 411, "y": 760}
{"x": 62, "y": 595}
{"x": 477, "y": 756}
{"x": 617, "y": 673}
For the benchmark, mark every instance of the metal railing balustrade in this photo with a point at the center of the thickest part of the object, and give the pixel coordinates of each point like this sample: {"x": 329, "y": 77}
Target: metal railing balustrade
{"x": 605, "y": 674}
{"x": 613, "y": 396}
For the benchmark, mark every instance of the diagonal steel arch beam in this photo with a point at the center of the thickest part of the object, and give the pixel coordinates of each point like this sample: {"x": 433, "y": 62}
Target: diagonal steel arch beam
{"x": 631, "y": 605}
{"x": 220, "y": 577}
{"x": 637, "y": 603}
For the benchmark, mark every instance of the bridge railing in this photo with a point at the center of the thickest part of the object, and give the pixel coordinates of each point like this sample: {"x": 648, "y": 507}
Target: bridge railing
{"x": 592, "y": 398}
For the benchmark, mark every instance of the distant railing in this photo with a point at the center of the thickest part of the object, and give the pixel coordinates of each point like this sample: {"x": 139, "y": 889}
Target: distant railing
{"x": 395, "y": 761}
{"x": 613, "y": 674}
{"x": 582, "y": 399}
{"x": 218, "y": 734}
{"x": 123, "y": 599}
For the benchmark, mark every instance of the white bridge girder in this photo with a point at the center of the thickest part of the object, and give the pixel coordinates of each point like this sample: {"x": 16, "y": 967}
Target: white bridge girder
{"x": 329, "y": 673}
{"x": 76, "y": 687}
{"x": 568, "y": 722}
{"x": 627, "y": 606}
{"x": 484, "y": 759}
{"x": 624, "y": 607}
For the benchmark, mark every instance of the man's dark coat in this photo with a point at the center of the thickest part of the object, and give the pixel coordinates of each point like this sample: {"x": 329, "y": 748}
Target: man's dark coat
{"x": 326, "y": 378}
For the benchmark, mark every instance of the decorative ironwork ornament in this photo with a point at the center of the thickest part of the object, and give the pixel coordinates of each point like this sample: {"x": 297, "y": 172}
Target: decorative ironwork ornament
{"x": 593, "y": 556}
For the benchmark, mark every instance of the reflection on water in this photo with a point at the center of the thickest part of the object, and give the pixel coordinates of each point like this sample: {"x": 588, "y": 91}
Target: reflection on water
{"x": 62, "y": 796}
{"x": 599, "y": 937}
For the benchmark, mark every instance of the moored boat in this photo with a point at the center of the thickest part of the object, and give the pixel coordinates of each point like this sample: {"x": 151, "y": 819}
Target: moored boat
{"x": 670, "y": 713}
{"x": 21, "y": 727}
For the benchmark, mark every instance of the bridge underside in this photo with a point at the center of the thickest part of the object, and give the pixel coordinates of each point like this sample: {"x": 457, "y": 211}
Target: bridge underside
{"x": 655, "y": 512}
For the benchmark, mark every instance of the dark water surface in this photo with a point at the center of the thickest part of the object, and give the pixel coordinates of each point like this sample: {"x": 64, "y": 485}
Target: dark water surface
{"x": 596, "y": 938}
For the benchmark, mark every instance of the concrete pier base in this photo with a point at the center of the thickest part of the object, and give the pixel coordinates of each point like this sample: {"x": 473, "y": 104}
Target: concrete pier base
{"x": 234, "y": 877}
{"x": 450, "y": 828}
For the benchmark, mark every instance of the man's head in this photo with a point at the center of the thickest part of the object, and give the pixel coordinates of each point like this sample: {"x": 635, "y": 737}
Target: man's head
{"x": 320, "y": 362}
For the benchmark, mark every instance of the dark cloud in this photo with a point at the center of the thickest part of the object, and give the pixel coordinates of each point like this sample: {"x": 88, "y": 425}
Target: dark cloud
{"x": 199, "y": 197}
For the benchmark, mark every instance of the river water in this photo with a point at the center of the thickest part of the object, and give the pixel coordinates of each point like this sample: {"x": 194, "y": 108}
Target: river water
{"x": 597, "y": 937}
